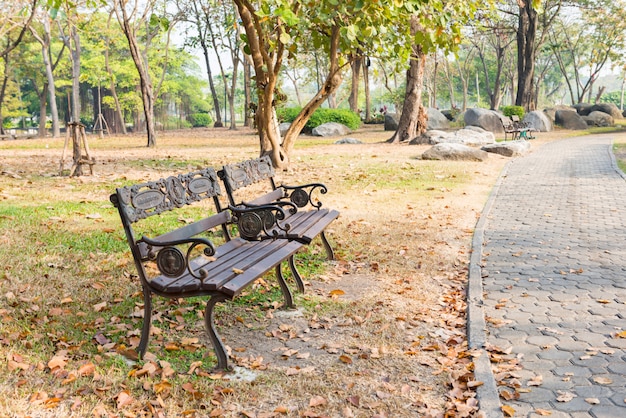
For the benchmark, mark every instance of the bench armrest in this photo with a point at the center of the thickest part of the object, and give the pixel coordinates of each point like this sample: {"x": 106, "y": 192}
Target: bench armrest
{"x": 171, "y": 261}
{"x": 302, "y": 195}
{"x": 259, "y": 222}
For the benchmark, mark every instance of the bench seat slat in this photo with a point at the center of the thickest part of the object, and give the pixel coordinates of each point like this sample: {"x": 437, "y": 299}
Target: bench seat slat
{"x": 253, "y": 259}
{"x": 305, "y": 226}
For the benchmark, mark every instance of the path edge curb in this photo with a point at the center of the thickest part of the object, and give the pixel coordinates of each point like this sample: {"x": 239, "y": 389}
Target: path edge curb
{"x": 487, "y": 394}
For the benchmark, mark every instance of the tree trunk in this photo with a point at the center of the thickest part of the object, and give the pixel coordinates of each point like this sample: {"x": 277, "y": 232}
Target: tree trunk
{"x": 216, "y": 103}
{"x": 353, "y": 100}
{"x": 145, "y": 82}
{"x": 414, "y": 119}
{"x": 231, "y": 96}
{"x": 42, "y": 111}
{"x": 118, "y": 108}
{"x": 331, "y": 84}
{"x": 366, "y": 87}
{"x": 75, "y": 54}
{"x": 5, "y": 80}
{"x": 526, "y": 51}
{"x": 247, "y": 94}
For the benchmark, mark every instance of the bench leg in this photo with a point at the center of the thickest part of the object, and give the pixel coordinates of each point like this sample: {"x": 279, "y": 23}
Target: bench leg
{"x": 147, "y": 322}
{"x": 296, "y": 274}
{"x": 329, "y": 250}
{"x": 283, "y": 287}
{"x": 218, "y": 346}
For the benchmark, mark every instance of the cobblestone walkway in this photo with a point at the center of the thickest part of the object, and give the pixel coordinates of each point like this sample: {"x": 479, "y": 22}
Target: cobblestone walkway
{"x": 554, "y": 279}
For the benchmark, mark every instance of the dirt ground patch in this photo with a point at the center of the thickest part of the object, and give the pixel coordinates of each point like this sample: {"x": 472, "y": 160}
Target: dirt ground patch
{"x": 381, "y": 332}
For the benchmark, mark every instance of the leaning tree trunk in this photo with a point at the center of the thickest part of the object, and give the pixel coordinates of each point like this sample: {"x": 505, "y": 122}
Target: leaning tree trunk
{"x": 414, "y": 119}
{"x": 526, "y": 51}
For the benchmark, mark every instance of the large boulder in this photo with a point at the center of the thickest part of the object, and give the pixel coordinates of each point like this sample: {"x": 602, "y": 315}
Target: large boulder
{"x": 551, "y": 111}
{"x": 597, "y": 118}
{"x": 331, "y": 129}
{"x": 471, "y": 135}
{"x": 456, "y": 152}
{"x": 437, "y": 120}
{"x": 569, "y": 119}
{"x": 489, "y": 120}
{"x": 391, "y": 122}
{"x": 509, "y": 148}
{"x": 283, "y": 127}
{"x": 538, "y": 121}
{"x": 583, "y": 109}
{"x": 608, "y": 108}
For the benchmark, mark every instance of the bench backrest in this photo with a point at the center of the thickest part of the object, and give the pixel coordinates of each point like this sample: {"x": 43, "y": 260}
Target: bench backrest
{"x": 245, "y": 173}
{"x": 143, "y": 200}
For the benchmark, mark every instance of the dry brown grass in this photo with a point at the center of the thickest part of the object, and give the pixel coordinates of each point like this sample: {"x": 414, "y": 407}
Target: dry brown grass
{"x": 387, "y": 345}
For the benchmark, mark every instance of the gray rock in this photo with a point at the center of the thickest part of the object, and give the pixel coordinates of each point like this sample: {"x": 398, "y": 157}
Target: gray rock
{"x": 509, "y": 148}
{"x": 348, "y": 141}
{"x": 391, "y": 122}
{"x": 331, "y": 129}
{"x": 551, "y": 111}
{"x": 583, "y": 109}
{"x": 283, "y": 128}
{"x": 597, "y": 118}
{"x": 538, "y": 121}
{"x": 489, "y": 120}
{"x": 608, "y": 108}
{"x": 470, "y": 135}
{"x": 455, "y": 152}
{"x": 569, "y": 119}
{"x": 437, "y": 120}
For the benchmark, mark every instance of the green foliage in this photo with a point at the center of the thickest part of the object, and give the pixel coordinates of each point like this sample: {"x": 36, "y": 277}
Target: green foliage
{"x": 513, "y": 110}
{"x": 322, "y": 115}
{"x": 200, "y": 120}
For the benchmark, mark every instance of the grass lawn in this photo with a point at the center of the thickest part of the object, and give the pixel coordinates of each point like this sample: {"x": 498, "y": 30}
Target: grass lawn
{"x": 379, "y": 332}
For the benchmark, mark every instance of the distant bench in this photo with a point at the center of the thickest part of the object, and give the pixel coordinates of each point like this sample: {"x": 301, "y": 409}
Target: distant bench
{"x": 516, "y": 128}
{"x": 184, "y": 262}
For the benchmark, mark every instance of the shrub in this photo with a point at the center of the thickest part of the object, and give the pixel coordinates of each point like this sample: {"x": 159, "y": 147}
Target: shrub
{"x": 321, "y": 115}
{"x": 198, "y": 120}
{"x": 513, "y": 110}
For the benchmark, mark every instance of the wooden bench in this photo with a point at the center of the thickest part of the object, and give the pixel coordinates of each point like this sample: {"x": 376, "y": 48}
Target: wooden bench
{"x": 184, "y": 262}
{"x": 306, "y": 222}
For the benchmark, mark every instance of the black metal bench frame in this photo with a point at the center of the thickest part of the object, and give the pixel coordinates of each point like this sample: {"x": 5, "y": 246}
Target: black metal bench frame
{"x": 308, "y": 221}
{"x": 188, "y": 262}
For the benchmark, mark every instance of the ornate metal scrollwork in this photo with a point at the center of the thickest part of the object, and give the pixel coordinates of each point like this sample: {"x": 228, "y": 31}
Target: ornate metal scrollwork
{"x": 170, "y": 259}
{"x": 250, "y": 225}
{"x": 152, "y": 198}
{"x": 262, "y": 222}
{"x": 301, "y": 197}
{"x": 171, "y": 262}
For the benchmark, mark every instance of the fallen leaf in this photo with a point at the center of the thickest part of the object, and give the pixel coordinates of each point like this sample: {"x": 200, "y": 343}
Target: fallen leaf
{"x": 337, "y": 292}
{"x": 535, "y": 381}
{"x": 543, "y": 412}
{"x": 565, "y": 396}
{"x": 317, "y": 401}
{"x": 345, "y": 359}
{"x": 508, "y": 410}
{"x": 592, "y": 401}
{"x": 99, "y": 306}
{"x": 124, "y": 399}
{"x": 602, "y": 380}
{"x": 87, "y": 369}
{"x": 237, "y": 271}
